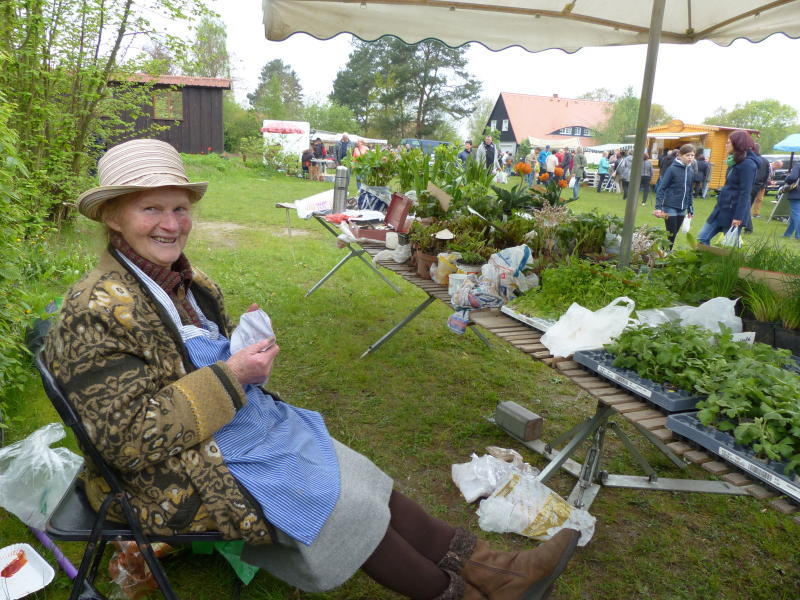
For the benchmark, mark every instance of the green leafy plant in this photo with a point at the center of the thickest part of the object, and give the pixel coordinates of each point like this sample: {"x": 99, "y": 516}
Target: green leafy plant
{"x": 375, "y": 168}
{"x": 761, "y": 300}
{"x": 422, "y": 237}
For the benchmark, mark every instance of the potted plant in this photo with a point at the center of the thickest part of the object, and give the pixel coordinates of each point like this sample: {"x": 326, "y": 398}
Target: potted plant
{"x": 425, "y": 245}
{"x": 375, "y": 169}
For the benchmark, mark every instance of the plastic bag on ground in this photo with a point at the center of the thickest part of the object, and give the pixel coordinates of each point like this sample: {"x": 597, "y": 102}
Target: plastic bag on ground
{"x": 482, "y": 475}
{"x": 524, "y": 505}
{"x": 581, "y": 329}
{"x": 34, "y": 476}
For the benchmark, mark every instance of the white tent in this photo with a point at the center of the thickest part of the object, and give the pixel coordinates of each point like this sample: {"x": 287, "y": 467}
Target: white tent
{"x": 329, "y": 137}
{"x": 561, "y": 142}
{"x": 543, "y": 24}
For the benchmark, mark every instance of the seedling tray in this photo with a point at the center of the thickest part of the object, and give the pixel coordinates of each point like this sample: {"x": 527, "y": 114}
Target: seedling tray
{"x": 724, "y": 445}
{"x": 535, "y": 322}
{"x": 671, "y": 400}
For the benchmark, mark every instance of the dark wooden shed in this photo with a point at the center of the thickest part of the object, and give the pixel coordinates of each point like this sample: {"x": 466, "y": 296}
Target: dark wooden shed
{"x": 190, "y": 106}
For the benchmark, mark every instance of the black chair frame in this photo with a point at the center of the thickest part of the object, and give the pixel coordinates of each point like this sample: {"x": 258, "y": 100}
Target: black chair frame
{"x": 75, "y": 520}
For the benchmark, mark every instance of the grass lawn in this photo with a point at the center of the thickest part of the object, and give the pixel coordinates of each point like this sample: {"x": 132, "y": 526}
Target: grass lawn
{"x": 419, "y": 403}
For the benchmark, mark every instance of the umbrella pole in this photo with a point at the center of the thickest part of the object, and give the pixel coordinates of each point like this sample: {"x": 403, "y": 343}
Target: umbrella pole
{"x": 646, "y": 98}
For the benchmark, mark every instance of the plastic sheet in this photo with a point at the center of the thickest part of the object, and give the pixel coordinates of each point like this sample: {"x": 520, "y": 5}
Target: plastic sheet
{"x": 482, "y": 475}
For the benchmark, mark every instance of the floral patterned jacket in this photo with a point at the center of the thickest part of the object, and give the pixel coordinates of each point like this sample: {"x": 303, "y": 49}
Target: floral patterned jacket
{"x": 149, "y": 411}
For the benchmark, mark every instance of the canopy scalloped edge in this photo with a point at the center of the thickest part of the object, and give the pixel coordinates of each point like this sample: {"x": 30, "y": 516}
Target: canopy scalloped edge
{"x": 565, "y": 50}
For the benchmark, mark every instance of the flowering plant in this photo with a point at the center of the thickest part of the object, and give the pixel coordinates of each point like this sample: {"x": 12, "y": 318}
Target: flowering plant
{"x": 550, "y": 191}
{"x": 522, "y": 169}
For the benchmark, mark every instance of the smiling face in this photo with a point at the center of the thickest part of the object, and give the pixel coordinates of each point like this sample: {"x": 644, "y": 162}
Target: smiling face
{"x": 155, "y": 223}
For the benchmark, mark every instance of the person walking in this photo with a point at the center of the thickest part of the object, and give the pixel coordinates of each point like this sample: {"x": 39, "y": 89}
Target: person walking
{"x": 487, "y": 154}
{"x": 759, "y": 189}
{"x": 602, "y": 170}
{"x": 701, "y": 176}
{"x": 733, "y": 200}
{"x": 794, "y": 202}
{"x": 342, "y": 148}
{"x": 466, "y": 153}
{"x": 674, "y": 192}
{"x": 647, "y": 175}
{"x": 623, "y": 170}
{"x": 579, "y": 163}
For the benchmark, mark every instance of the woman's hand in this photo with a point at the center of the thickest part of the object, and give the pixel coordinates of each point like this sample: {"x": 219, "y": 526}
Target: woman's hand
{"x": 659, "y": 213}
{"x": 253, "y": 364}
{"x": 736, "y": 223}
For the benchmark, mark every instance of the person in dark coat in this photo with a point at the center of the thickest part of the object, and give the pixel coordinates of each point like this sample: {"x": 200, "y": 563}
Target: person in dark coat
{"x": 733, "y": 200}
{"x": 701, "y": 176}
{"x": 794, "y": 203}
{"x": 674, "y": 192}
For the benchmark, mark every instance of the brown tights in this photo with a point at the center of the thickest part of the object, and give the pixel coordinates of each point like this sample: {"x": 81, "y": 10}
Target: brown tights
{"x": 406, "y": 560}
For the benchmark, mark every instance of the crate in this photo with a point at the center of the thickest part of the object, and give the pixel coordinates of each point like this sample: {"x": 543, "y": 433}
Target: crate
{"x": 724, "y": 445}
{"x": 671, "y": 400}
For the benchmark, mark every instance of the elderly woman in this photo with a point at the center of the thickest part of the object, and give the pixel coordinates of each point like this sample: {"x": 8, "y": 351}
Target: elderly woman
{"x": 733, "y": 200}
{"x": 142, "y": 349}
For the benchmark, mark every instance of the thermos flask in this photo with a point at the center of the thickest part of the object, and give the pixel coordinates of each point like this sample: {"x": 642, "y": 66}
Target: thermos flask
{"x": 340, "y": 189}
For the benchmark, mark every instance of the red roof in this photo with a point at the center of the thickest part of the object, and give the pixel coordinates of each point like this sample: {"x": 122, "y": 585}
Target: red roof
{"x": 209, "y": 82}
{"x": 539, "y": 116}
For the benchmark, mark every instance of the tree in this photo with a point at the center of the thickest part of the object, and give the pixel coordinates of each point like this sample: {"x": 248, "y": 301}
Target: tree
{"x": 279, "y": 93}
{"x": 329, "y": 116}
{"x": 57, "y": 60}
{"x": 774, "y": 120}
{"x": 209, "y": 53}
{"x": 479, "y": 118}
{"x": 602, "y": 94}
{"x": 398, "y": 90}
{"x": 622, "y": 118}
{"x": 238, "y": 123}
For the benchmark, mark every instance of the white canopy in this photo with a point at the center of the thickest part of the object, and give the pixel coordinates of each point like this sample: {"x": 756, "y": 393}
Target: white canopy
{"x": 330, "y": 136}
{"x": 542, "y": 24}
{"x": 559, "y": 142}
{"x": 533, "y": 24}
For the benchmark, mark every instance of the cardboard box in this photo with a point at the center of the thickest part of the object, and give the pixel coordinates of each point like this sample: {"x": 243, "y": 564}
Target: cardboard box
{"x": 396, "y": 220}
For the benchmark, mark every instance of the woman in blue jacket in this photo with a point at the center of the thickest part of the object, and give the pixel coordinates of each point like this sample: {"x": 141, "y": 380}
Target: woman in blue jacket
{"x": 794, "y": 202}
{"x": 674, "y": 192}
{"x": 733, "y": 200}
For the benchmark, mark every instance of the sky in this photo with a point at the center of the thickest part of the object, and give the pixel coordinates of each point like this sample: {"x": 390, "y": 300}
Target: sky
{"x": 691, "y": 81}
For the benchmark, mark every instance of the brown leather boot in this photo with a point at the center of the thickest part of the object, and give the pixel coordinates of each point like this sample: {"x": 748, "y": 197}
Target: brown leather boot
{"x": 462, "y": 546}
{"x": 527, "y": 575}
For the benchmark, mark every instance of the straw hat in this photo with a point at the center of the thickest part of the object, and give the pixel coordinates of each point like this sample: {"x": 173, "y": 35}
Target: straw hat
{"x": 135, "y": 166}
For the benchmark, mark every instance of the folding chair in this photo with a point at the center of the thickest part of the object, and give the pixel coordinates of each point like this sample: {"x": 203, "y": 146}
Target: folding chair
{"x": 74, "y": 520}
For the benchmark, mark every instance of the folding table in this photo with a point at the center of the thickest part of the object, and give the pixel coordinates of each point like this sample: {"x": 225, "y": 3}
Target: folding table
{"x": 356, "y": 249}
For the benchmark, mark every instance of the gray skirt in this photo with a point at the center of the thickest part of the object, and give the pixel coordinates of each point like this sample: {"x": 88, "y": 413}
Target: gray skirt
{"x": 350, "y": 535}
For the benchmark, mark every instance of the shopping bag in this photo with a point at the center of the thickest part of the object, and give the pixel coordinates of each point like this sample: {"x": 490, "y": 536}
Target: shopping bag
{"x": 687, "y": 224}
{"x": 34, "y": 476}
{"x": 571, "y": 182}
{"x": 582, "y": 329}
{"x": 501, "y": 177}
{"x": 733, "y": 238}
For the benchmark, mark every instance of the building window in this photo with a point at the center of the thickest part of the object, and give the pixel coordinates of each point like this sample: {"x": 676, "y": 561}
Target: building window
{"x": 505, "y": 124}
{"x": 168, "y": 105}
{"x": 493, "y": 124}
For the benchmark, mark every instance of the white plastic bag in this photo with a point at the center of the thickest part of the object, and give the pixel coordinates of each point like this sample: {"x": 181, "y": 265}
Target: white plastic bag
{"x": 687, "y": 224}
{"x": 713, "y": 313}
{"x": 732, "y": 238}
{"x": 34, "y": 476}
{"x": 581, "y": 329}
{"x": 571, "y": 182}
{"x": 482, "y": 475}
{"x": 501, "y": 177}
{"x": 526, "y": 506}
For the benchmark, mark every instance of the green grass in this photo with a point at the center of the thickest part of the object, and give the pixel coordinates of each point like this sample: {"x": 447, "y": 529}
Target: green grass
{"x": 419, "y": 403}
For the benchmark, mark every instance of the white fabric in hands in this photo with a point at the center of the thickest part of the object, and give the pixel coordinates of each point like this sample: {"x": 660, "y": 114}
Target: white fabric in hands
{"x": 254, "y": 326}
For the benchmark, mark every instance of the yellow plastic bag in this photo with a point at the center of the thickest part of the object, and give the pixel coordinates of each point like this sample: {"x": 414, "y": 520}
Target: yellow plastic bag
{"x": 446, "y": 265}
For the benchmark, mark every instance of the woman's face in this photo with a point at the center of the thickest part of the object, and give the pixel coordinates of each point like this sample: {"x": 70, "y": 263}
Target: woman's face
{"x": 729, "y": 147}
{"x": 155, "y": 223}
{"x": 686, "y": 158}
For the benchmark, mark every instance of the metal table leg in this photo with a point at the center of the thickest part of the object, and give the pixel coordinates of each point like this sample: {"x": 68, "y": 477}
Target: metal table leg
{"x": 353, "y": 253}
{"x": 399, "y": 326}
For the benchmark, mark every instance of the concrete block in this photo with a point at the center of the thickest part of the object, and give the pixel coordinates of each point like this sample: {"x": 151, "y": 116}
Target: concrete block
{"x": 519, "y": 421}
{"x": 737, "y": 479}
{"x": 785, "y": 506}
{"x": 715, "y": 467}
{"x": 759, "y": 492}
{"x": 697, "y": 457}
{"x": 679, "y": 448}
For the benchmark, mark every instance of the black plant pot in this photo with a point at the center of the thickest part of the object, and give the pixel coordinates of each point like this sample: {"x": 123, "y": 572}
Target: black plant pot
{"x": 765, "y": 332}
{"x": 788, "y": 338}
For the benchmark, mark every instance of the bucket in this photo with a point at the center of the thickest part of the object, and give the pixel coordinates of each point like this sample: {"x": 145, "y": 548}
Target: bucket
{"x": 455, "y": 282}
